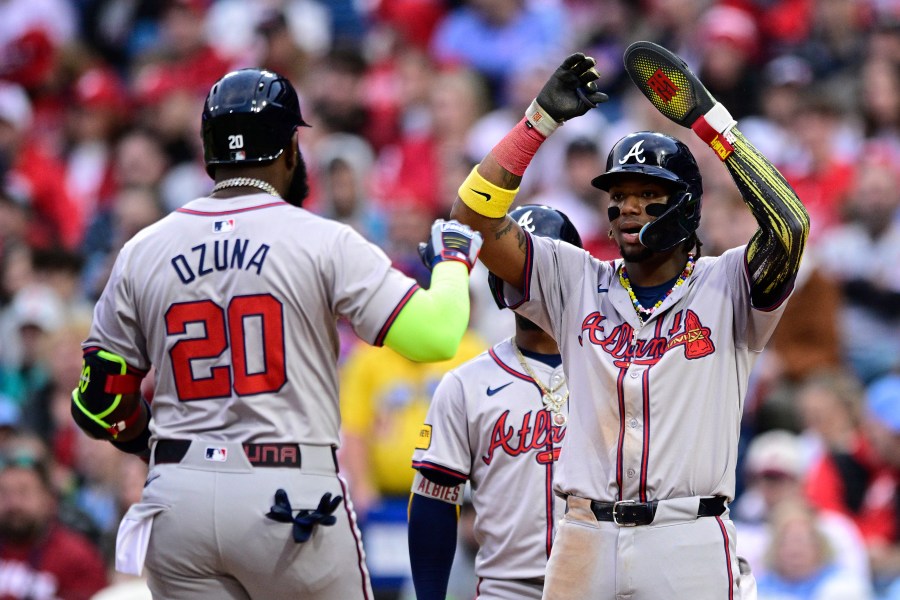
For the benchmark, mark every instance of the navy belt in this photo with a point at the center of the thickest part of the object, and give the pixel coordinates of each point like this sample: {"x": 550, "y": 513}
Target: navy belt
{"x": 629, "y": 513}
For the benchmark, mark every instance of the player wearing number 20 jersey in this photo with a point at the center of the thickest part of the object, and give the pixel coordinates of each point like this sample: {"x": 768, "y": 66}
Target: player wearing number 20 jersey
{"x": 233, "y": 299}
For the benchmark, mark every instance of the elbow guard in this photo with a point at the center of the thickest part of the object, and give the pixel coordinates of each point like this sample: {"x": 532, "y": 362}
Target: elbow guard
{"x": 107, "y": 400}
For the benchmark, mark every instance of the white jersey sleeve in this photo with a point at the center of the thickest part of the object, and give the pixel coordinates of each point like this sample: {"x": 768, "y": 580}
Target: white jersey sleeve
{"x": 116, "y": 326}
{"x": 444, "y": 439}
{"x": 550, "y": 281}
{"x": 752, "y": 327}
{"x": 364, "y": 285}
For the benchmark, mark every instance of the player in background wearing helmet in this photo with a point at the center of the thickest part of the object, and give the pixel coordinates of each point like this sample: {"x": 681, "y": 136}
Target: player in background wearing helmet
{"x": 657, "y": 347}
{"x": 496, "y": 421}
{"x": 233, "y": 299}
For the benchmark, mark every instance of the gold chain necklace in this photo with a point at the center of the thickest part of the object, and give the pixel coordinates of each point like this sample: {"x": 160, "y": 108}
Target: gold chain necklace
{"x": 553, "y": 402}
{"x": 247, "y": 182}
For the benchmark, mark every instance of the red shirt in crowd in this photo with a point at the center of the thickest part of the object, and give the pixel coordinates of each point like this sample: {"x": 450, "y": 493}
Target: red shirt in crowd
{"x": 64, "y": 565}
{"x": 877, "y": 516}
{"x": 57, "y": 217}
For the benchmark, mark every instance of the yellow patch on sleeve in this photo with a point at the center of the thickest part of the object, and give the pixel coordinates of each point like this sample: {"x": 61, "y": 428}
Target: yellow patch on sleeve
{"x": 423, "y": 442}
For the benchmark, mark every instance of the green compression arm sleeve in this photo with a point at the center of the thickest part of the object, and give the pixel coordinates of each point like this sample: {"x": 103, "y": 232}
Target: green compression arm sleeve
{"x": 432, "y": 323}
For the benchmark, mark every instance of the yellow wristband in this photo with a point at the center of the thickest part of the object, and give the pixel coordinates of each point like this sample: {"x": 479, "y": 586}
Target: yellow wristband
{"x": 484, "y": 197}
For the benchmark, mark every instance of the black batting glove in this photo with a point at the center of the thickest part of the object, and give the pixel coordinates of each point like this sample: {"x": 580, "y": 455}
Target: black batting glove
{"x": 572, "y": 89}
{"x": 450, "y": 240}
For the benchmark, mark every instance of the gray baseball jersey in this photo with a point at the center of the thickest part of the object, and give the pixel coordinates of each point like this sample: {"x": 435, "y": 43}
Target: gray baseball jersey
{"x": 235, "y": 301}
{"x": 656, "y": 409}
{"x": 487, "y": 424}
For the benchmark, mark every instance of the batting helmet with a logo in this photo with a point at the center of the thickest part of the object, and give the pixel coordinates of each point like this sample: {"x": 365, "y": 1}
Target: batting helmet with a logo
{"x": 668, "y": 160}
{"x": 249, "y": 118}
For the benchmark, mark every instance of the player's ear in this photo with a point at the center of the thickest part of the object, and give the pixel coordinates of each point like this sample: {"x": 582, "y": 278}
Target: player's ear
{"x": 292, "y": 152}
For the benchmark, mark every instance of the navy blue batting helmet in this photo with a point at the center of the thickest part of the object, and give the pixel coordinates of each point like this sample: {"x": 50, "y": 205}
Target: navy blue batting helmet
{"x": 248, "y": 118}
{"x": 541, "y": 220}
{"x": 669, "y": 160}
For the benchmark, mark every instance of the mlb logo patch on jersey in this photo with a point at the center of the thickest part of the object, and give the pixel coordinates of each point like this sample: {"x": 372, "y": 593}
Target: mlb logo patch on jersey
{"x": 223, "y": 226}
{"x": 216, "y": 453}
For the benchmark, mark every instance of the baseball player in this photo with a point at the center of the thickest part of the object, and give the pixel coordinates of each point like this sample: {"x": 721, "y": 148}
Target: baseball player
{"x": 496, "y": 421}
{"x": 233, "y": 299}
{"x": 657, "y": 347}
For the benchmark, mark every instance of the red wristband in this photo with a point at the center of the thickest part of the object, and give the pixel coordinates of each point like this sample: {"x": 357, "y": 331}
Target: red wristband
{"x": 515, "y": 151}
{"x": 713, "y": 138}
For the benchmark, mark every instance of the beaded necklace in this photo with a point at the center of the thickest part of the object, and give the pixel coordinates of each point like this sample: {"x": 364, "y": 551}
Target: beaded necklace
{"x": 640, "y": 310}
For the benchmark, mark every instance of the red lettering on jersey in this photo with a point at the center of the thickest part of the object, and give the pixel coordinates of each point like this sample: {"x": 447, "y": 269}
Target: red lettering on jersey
{"x": 676, "y": 324}
{"x": 619, "y": 344}
{"x": 547, "y": 456}
{"x": 591, "y": 325}
{"x": 543, "y": 434}
{"x": 543, "y": 430}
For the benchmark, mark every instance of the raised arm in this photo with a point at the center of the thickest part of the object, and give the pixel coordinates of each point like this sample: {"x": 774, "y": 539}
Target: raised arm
{"x": 487, "y": 193}
{"x": 431, "y": 324}
{"x": 774, "y": 252}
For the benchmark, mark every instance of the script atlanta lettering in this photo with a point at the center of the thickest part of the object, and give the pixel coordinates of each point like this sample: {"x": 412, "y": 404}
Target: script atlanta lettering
{"x": 542, "y": 436}
{"x": 686, "y": 331}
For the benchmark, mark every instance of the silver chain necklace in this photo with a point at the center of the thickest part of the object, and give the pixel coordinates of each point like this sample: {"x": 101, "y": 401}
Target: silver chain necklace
{"x": 247, "y": 182}
{"x": 553, "y": 402}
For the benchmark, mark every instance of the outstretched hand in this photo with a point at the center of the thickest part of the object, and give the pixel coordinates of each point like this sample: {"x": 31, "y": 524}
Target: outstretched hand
{"x": 572, "y": 89}
{"x": 450, "y": 240}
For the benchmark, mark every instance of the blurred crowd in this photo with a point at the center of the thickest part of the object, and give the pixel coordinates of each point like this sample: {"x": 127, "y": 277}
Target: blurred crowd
{"x": 100, "y": 105}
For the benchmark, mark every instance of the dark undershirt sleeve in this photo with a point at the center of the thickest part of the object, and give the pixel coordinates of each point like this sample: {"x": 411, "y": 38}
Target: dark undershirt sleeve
{"x": 432, "y": 544}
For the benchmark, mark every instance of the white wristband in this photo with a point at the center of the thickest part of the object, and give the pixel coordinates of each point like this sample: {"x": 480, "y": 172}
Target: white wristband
{"x": 719, "y": 118}
{"x": 540, "y": 119}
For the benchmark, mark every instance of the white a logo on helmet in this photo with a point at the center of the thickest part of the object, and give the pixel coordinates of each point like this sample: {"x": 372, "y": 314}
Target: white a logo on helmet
{"x": 637, "y": 152}
{"x": 526, "y": 222}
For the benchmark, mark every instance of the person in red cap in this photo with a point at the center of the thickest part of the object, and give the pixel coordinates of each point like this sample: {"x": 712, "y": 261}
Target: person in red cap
{"x": 32, "y": 172}
{"x": 94, "y": 121}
